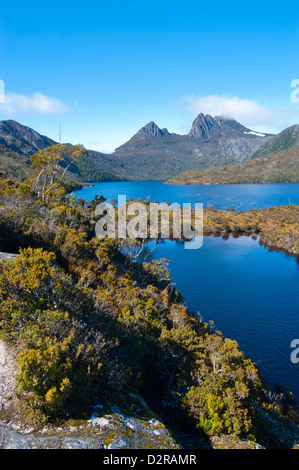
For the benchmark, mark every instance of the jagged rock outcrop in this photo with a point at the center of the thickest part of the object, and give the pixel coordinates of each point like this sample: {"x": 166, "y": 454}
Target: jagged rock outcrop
{"x": 149, "y": 131}
{"x": 206, "y": 127}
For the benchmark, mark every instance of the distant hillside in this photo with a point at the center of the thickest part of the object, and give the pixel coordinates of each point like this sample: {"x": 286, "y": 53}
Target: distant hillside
{"x": 275, "y": 168}
{"x": 287, "y": 139}
{"x": 21, "y": 140}
{"x": 18, "y": 143}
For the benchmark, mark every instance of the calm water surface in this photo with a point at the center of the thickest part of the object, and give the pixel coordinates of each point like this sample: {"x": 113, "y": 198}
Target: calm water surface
{"x": 250, "y": 293}
{"x": 238, "y": 196}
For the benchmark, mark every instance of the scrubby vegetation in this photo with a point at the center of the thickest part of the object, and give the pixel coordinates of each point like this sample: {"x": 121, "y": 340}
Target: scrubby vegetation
{"x": 279, "y": 167}
{"x": 89, "y": 323}
{"x": 277, "y": 227}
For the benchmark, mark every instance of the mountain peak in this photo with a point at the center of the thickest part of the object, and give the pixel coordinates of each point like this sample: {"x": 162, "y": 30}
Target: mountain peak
{"x": 208, "y": 127}
{"x": 151, "y": 130}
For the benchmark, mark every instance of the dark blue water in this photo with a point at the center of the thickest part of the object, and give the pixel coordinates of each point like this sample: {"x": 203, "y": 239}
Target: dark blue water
{"x": 250, "y": 293}
{"x": 238, "y": 196}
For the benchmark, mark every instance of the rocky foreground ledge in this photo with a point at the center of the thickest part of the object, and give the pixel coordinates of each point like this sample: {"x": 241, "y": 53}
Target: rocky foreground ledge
{"x": 130, "y": 424}
{"x": 112, "y": 430}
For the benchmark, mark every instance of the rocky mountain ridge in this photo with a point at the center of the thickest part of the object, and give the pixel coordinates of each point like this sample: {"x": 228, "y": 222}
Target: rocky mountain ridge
{"x": 206, "y": 127}
{"x": 153, "y": 153}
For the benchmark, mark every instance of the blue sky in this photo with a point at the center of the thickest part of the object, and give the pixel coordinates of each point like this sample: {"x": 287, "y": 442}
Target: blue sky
{"x": 102, "y": 70}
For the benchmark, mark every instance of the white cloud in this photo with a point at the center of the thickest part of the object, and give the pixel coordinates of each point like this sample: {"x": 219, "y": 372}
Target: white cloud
{"x": 245, "y": 111}
{"x": 37, "y": 104}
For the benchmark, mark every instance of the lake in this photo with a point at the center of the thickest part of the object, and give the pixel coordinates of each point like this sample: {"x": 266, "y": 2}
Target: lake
{"x": 250, "y": 293}
{"x": 237, "y": 196}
